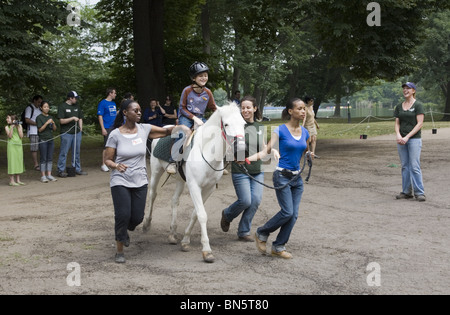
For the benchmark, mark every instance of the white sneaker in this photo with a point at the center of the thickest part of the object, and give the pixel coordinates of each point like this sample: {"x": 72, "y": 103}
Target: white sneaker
{"x": 44, "y": 179}
{"x": 51, "y": 179}
{"x": 104, "y": 168}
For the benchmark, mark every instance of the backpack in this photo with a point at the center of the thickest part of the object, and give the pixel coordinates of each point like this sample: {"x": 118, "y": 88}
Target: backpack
{"x": 22, "y": 117}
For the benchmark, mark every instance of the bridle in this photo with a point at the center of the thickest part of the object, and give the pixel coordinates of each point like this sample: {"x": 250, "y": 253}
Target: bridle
{"x": 231, "y": 142}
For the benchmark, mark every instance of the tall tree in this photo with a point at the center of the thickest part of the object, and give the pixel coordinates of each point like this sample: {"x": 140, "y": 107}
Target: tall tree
{"x": 119, "y": 36}
{"x": 434, "y": 71}
{"x": 148, "y": 26}
{"x": 23, "y": 57}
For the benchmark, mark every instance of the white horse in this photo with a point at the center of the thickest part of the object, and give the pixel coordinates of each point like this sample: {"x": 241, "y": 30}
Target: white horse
{"x": 223, "y": 132}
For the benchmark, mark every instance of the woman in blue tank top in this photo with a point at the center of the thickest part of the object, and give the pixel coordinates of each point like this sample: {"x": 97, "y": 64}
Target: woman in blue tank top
{"x": 292, "y": 141}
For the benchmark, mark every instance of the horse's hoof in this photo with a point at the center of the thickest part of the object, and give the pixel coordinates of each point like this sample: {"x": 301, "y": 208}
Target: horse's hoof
{"x": 173, "y": 240}
{"x": 146, "y": 227}
{"x": 185, "y": 247}
{"x": 208, "y": 257}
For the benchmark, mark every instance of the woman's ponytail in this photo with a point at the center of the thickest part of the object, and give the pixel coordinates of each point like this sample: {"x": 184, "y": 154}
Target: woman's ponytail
{"x": 120, "y": 118}
{"x": 290, "y": 105}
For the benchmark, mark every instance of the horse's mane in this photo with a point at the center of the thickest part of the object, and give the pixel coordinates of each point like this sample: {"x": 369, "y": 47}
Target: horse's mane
{"x": 226, "y": 109}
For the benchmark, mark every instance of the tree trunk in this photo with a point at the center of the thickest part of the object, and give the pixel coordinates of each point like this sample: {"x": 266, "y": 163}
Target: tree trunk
{"x": 257, "y": 94}
{"x": 236, "y": 78}
{"x": 148, "y": 29}
{"x": 237, "y": 68}
{"x": 262, "y": 103}
{"x": 206, "y": 31}
{"x": 447, "y": 103}
{"x": 337, "y": 110}
{"x": 317, "y": 103}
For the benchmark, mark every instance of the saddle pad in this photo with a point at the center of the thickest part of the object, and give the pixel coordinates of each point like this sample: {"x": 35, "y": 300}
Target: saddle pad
{"x": 163, "y": 149}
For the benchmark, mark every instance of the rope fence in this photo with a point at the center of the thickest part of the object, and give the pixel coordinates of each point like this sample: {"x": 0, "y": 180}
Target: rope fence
{"x": 431, "y": 113}
{"x": 41, "y": 142}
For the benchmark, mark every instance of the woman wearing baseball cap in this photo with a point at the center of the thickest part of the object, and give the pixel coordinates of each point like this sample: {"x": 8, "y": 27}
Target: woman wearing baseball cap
{"x": 408, "y": 125}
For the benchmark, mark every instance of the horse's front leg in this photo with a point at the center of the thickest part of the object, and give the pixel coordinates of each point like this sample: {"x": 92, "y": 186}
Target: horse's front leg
{"x": 203, "y": 220}
{"x": 200, "y": 215}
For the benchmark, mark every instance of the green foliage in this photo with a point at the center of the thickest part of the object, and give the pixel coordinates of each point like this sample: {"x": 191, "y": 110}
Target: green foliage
{"x": 434, "y": 62}
{"x": 23, "y": 55}
{"x": 275, "y": 50}
{"x": 116, "y": 20}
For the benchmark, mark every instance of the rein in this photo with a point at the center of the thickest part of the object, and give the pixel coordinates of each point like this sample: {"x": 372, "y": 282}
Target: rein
{"x": 307, "y": 158}
{"x": 229, "y": 143}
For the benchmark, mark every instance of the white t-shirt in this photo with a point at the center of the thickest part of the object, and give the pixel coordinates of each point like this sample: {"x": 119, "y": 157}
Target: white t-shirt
{"x": 32, "y": 130}
{"x": 131, "y": 151}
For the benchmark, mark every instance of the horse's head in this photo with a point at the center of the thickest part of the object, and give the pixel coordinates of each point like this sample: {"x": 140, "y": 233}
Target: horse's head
{"x": 233, "y": 129}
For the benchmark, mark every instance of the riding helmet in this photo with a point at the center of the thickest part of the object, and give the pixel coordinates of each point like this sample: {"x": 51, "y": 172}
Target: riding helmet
{"x": 196, "y": 68}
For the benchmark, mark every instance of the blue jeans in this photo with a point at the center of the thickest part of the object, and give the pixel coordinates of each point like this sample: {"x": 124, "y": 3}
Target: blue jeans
{"x": 183, "y": 120}
{"x": 46, "y": 150}
{"x": 67, "y": 143}
{"x": 249, "y": 195}
{"x": 289, "y": 200}
{"x": 412, "y": 181}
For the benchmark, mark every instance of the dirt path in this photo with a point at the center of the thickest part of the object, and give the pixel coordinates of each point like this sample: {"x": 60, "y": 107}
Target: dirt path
{"x": 349, "y": 218}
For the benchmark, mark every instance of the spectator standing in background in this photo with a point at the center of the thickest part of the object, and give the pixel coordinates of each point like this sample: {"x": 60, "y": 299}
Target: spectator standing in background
{"x": 31, "y": 113}
{"x": 409, "y": 118}
{"x": 70, "y": 117}
{"x": 46, "y": 126}
{"x": 237, "y": 97}
{"x": 153, "y": 115}
{"x": 170, "y": 118}
{"x": 107, "y": 112}
{"x": 311, "y": 124}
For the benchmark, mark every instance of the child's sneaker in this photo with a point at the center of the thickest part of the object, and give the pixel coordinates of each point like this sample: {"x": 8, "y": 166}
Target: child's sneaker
{"x": 51, "y": 178}
{"x": 44, "y": 179}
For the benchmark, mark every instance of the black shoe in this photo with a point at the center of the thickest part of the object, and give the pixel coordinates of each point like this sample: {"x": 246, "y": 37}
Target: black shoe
{"x": 224, "y": 224}
{"x": 404, "y": 196}
{"x": 62, "y": 174}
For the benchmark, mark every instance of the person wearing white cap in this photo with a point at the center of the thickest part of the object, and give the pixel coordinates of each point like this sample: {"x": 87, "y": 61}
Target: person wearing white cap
{"x": 70, "y": 117}
{"x": 408, "y": 125}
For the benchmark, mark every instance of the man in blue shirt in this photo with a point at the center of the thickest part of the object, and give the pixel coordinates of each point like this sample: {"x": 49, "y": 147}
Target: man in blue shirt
{"x": 107, "y": 112}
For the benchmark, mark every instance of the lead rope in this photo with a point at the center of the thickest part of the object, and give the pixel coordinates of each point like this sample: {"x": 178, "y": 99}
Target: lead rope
{"x": 307, "y": 158}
